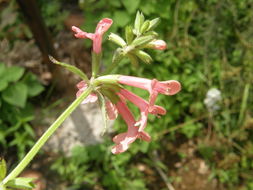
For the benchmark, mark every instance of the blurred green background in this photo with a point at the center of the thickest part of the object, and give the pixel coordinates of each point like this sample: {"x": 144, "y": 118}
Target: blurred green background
{"x": 210, "y": 45}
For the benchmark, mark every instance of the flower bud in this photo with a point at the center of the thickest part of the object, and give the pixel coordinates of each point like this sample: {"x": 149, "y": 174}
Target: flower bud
{"x": 133, "y": 59}
{"x": 129, "y": 34}
{"x": 153, "y": 24}
{"x": 117, "y": 39}
{"x": 143, "y": 40}
{"x": 138, "y": 22}
{"x": 157, "y": 44}
{"x": 146, "y": 58}
{"x": 118, "y": 55}
{"x": 145, "y": 26}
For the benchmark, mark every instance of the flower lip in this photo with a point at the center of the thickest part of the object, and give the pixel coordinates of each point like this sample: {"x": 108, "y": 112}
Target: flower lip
{"x": 103, "y": 26}
{"x": 170, "y": 87}
{"x": 81, "y": 34}
{"x": 96, "y": 37}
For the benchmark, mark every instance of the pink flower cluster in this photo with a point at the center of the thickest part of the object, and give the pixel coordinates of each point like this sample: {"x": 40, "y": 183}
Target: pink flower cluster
{"x": 154, "y": 87}
{"x": 135, "y": 127}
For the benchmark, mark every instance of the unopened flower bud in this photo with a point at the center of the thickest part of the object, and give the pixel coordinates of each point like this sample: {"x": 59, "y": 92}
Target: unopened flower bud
{"x": 146, "y": 58}
{"x": 157, "y": 44}
{"x": 133, "y": 59}
{"x": 153, "y": 24}
{"x": 145, "y": 26}
{"x": 129, "y": 34}
{"x": 138, "y": 22}
{"x": 144, "y": 40}
{"x": 117, "y": 39}
{"x": 118, "y": 55}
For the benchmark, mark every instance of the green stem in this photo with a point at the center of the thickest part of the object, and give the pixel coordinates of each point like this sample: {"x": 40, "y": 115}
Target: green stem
{"x": 96, "y": 59}
{"x": 30, "y": 155}
{"x": 244, "y": 103}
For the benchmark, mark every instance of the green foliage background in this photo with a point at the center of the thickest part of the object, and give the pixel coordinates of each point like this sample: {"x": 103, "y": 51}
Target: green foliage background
{"x": 17, "y": 87}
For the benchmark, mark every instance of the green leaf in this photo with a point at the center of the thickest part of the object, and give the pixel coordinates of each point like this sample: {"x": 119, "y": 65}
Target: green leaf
{"x": 71, "y": 68}
{"x": 121, "y": 18}
{"x": 191, "y": 129}
{"x": 26, "y": 113}
{"x": 131, "y": 5}
{"x": 104, "y": 112}
{"x": 3, "y": 85}
{"x": 21, "y": 183}
{"x": 13, "y": 74}
{"x": 34, "y": 86}
{"x": 115, "y": 3}
{"x": 15, "y": 94}
{"x": 3, "y": 169}
{"x": 2, "y": 69}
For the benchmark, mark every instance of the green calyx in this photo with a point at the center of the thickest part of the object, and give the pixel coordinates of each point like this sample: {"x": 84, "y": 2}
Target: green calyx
{"x": 106, "y": 79}
{"x": 110, "y": 94}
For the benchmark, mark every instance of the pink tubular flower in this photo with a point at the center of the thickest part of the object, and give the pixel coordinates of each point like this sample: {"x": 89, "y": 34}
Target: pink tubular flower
{"x": 144, "y": 106}
{"x": 154, "y": 87}
{"x": 169, "y": 87}
{"x": 157, "y": 44}
{"x": 123, "y": 140}
{"x": 119, "y": 96}
{"x": 96, "y": 37}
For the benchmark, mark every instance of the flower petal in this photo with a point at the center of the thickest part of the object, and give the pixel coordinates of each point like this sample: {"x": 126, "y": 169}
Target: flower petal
{"x": 144, "y": 136}
{"x": 157, "y": 110}
{"x": 81, "y": 34}
{"x": 103, "y": 26}
{"x": 142, "y": 121}
{"x": 138, "y": 101}
{"x": 90, "y": 99}
{"x": 119, "y": 148}
{"x": 111, "y": 109}
{"x": 169, "y": 87}
{"x": 81, "y": 84}
{"x": 118, "y": 138}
